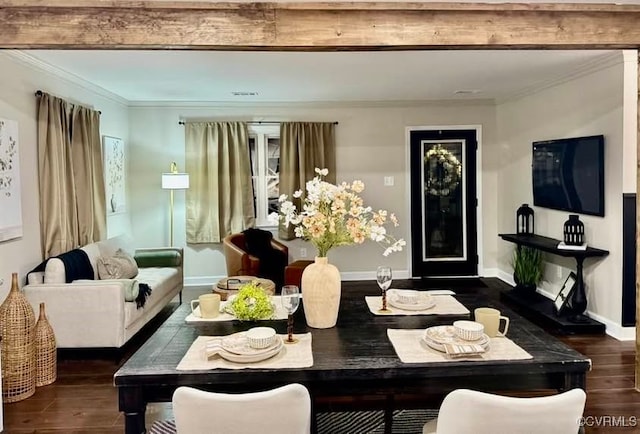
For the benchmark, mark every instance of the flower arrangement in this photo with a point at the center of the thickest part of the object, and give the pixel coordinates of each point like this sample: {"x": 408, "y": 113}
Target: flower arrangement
{"x": 443, "y": 171}
{"x": 334, "y": 215}
{"x": 251, "y": 303}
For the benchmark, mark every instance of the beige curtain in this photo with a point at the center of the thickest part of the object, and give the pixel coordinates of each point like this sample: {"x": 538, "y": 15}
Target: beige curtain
{"x": 71, "y": 178}
{"x": 303, "y": 147}
{"x": 220, "y": 197}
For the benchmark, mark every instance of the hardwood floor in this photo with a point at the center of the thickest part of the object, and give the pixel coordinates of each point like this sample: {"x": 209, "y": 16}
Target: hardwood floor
{"x": 84, "y": 400}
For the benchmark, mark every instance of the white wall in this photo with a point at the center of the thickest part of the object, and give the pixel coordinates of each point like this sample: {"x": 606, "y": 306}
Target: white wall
{"x": 588, "y": 105}
{"x": 370, "y": 145}
{"x": 20, "y": 80}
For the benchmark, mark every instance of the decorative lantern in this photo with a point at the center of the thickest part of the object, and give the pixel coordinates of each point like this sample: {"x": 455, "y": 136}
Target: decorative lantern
{"x": 524, "y": 220}
{"x": 573, "y": 231}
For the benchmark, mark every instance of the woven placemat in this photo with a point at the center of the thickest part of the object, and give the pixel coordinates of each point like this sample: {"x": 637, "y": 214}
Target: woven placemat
{"x": 445, "y": 305}
{"x": 410, "y": 348}
{"x": 296, "y": 355}
{"x": 280, "y": 313}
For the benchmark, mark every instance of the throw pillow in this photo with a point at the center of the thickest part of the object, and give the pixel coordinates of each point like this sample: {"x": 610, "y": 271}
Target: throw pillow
{"x": 119, "y": 266}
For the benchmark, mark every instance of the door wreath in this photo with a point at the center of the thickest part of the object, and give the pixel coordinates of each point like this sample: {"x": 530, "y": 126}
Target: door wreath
{"x": 443, "y": 170}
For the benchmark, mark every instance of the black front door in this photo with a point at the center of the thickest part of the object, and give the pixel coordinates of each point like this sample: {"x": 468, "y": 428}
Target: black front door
{"x": 443, "y": 203}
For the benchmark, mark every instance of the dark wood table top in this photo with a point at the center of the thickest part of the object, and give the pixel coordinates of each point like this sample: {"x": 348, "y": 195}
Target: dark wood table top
{"x": 355, "y": 356}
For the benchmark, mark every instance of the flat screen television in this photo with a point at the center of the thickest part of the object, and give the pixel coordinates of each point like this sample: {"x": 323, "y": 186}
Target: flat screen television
{"x": 568, "y": 174}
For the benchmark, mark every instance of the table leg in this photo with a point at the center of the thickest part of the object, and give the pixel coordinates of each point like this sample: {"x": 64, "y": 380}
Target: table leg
{"x": 388, "y": 415}
{"x": 573, "y": 380}
{"x": 579, "y": 298}
{"x": 132, "y": 404}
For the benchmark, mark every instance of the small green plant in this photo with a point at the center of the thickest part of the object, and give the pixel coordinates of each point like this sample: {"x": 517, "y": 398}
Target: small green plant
{"x": 251, "y": 303}
{"x": 528, "y": 268}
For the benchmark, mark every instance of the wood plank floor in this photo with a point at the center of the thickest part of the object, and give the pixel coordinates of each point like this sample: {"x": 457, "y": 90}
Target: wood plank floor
{"x": 84, "y": 400}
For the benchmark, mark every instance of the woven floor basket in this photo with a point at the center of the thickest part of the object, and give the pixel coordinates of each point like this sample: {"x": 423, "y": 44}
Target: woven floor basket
{"x": 46, "y": 357}
{"x": 17, "y": 324}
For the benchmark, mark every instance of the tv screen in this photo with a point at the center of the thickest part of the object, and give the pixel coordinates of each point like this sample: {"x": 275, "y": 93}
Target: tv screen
{"x": 568, "y": 174}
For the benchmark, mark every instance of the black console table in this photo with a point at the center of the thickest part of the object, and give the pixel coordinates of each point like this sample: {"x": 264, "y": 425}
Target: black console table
{"x": 578, "y": 302}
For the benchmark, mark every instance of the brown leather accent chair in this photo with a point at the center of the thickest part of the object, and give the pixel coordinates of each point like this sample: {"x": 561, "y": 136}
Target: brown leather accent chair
{"x": 242, "y": 263}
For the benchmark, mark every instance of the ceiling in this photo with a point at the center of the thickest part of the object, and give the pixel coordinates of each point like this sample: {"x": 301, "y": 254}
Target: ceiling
{"x": 214, "y": 76}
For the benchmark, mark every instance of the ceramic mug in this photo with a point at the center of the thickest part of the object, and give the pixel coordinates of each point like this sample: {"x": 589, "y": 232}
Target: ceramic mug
{"x": 209, "y": 305}
{"x": 490, "y": 319}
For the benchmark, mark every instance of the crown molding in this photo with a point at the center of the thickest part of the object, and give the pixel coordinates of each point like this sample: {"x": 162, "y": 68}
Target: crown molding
{"x": 61, "y": 74}
{"x": 589, "y": 67}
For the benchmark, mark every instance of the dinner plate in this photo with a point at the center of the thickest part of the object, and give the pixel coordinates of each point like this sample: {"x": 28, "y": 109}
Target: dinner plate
{"x": 253, "y": 358}
{"x": 426, "y": 302}
{"x": 238, "y": 343}
{"x": 436, "y": 336}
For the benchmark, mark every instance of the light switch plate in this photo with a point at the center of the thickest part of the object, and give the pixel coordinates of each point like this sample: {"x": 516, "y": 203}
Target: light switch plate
{"x": 389, "y": 181}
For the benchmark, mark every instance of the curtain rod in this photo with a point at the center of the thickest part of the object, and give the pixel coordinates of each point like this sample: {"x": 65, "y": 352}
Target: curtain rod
{"x": 39, "y": 94}
{"x": 260, "y": 122}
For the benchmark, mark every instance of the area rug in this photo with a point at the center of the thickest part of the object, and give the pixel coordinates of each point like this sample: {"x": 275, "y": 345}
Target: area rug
{"x": 348, "y": 422}
{"x": 372, "y": 422}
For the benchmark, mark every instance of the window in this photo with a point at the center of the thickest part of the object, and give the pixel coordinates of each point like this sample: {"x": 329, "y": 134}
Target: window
{"x": 264, "y": 147}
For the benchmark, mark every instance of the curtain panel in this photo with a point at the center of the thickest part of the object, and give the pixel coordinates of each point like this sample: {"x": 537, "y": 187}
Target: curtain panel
{"x": 220, "y": 198}
{"x": 303, "y": 147}
{"x": 71, "y": 176}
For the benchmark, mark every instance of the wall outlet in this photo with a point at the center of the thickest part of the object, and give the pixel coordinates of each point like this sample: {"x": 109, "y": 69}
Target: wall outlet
{"x": 559, "y": 272}
{"x": 303, "y": 252}
{"x": 389, "y": 181}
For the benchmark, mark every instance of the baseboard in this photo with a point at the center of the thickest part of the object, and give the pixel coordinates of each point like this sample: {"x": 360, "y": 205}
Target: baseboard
{"x": 347, "y": 276}
{"x": 612, "y": 329}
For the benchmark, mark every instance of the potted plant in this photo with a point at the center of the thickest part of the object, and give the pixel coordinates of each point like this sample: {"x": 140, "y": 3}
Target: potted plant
{"x": 528, "y": 268}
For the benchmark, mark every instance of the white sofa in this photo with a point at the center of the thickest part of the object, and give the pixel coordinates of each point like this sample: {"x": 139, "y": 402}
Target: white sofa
{"x": 94, "y": 313}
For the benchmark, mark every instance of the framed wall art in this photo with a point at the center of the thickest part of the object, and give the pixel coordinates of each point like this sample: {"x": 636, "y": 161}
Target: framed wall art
{"x": 562, "y": 299}
{"x": 10, "y": 199}
{"x": 114, "y": 173}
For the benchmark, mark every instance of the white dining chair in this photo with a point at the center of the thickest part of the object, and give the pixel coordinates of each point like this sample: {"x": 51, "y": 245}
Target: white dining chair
{"x": 286, "y": 409}
{"x": 470, "y": 412}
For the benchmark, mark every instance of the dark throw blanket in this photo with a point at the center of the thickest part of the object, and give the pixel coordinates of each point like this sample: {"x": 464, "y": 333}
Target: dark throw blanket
{"x": 272, "y": 261}
{"x": 143, "y": 293}
{"x": 76, "y": 265}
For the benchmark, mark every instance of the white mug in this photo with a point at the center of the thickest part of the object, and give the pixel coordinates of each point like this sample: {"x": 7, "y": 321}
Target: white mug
{"x": 209, "y": 305}
{"x": 490, "y": 319}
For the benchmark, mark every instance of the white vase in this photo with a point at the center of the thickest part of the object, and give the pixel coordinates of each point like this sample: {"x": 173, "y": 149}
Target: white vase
{"x": 321, "y": 288}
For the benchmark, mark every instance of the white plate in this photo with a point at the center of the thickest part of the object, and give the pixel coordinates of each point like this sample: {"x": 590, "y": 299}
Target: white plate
{"x": 238, "y": 343}
{"x": 426, "y": 302}
{"x": 253, "y": 358}
{"x": 436, "y": 336}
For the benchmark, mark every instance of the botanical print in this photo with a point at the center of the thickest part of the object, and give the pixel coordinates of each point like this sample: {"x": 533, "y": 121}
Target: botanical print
{"x": 10, "y": 201}
{"x": 113, "y": 149}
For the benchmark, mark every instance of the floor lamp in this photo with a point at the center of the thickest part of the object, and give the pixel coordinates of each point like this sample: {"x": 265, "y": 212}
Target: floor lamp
{"x": 174, "y": 181}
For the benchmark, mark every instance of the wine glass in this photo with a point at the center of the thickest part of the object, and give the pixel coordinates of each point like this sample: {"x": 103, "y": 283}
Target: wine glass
{"x": 383, "y": 277}
{"x": 290, "y": 297}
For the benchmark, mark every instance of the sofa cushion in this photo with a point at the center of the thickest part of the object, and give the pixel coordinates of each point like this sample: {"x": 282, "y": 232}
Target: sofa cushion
{"x": 118, "y": 266}
{"x": 162, "y": 281}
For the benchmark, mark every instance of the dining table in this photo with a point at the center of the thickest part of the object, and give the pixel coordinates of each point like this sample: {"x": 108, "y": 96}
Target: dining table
{"x": 355, "y": 358}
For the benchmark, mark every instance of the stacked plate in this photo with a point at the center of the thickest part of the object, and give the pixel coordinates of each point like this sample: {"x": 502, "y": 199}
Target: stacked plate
{"x": 422, "y": 302}
{"x": 439, "y": 337}
{"x": 235, "y": 348}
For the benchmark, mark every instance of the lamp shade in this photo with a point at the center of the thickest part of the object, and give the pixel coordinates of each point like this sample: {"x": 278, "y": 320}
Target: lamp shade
{"x": 175, "y": 181}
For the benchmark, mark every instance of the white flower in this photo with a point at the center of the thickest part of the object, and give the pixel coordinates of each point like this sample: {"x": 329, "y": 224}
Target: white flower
{"x": 322, "y": 172}
{"x": 282, "y": 198}
{"x": 297, "y": 194}
{"x": 273, "y": 218}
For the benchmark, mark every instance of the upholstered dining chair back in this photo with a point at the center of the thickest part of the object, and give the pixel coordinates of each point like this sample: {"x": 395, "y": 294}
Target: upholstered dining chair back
{"x": 469, "y": 411}
{"x": 286, "y": 409}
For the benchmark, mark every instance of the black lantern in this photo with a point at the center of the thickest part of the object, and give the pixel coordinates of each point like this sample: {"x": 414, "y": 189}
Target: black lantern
{"x": 524, "y": 219}
{"x": 573, "y": 231}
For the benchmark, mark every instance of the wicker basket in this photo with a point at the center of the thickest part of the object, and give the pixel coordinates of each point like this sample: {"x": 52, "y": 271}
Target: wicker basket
{"x": 46, "y": 357}
{"x": 17, "y": 324}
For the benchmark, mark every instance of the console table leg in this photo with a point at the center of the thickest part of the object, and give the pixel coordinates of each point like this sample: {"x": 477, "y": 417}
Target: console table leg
{"x": 579, "y": 298}
{"x": 133, "y": 405}
{"x": 134, "y": 423}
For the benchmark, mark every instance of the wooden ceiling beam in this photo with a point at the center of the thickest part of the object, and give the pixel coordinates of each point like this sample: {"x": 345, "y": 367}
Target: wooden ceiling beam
{"x": 315, "y": 26}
